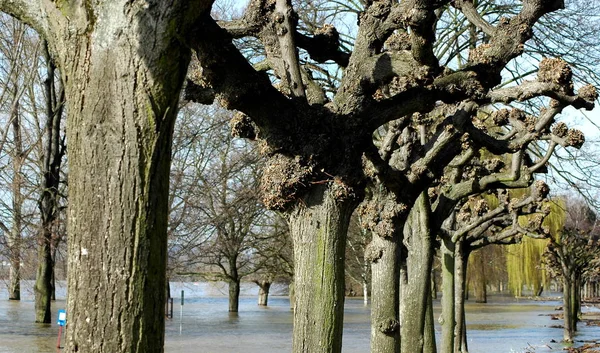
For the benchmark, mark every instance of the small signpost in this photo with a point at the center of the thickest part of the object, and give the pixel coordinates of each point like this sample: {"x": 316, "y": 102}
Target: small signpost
{"x": 62, "y": 321}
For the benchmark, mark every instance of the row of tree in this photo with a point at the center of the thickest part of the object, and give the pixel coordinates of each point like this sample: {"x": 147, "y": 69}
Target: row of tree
{"x": 410, "y": 114}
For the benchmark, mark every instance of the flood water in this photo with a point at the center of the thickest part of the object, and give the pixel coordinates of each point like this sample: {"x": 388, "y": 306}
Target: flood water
{"x": 204, "y": 325}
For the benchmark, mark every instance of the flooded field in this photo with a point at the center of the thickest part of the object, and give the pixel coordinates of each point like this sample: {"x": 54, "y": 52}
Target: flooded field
{"x": 501, "y": 326}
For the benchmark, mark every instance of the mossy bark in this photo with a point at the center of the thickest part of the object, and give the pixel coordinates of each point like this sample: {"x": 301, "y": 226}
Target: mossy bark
{"x": 416, "y": 286}
{"x": 318, "y": 226}
{"x": 123, "y": 96}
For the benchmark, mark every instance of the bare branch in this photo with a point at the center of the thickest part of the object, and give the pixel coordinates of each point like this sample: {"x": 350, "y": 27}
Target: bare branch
{"x": 470, "y": 12}
{"x": 528, "y": 90}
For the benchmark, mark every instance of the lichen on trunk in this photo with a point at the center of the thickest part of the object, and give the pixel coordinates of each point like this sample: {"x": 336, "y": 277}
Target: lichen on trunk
{"x": 318, "y": 225}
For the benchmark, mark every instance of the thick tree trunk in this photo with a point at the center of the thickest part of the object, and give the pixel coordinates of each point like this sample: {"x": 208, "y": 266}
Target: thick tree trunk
{"x": 383, "y": 254}
{"x": 385, "y": 296}
{"x": 48, "y": 204}
{"x": 263, "y": 292}
{"x": 234, "y": 296}
{"x": 123, "y": 95}
{"x": 448, "y": 315}
{"x": 318, "y": 226}
{"x": 416, "y": 290}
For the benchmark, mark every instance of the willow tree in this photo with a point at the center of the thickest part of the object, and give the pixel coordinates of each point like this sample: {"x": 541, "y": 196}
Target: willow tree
{"x": 123, "y": 65}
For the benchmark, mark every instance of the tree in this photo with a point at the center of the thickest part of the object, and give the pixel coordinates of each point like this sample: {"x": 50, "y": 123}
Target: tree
{"x": 19, "y": 50}
{"x": 357, "y": 267}
{"x": 231, "y": 208}
{"x": 123, "y": 65}
{"x": 218, "y": 228}
{"x": 49, "y": 203}
{"x": 572, "y": 255}
{"x": 321, "y": 153}
{"x": 478, "y": 225}
{"x": 274, "y": 251}
{"x": 316, "y": 144}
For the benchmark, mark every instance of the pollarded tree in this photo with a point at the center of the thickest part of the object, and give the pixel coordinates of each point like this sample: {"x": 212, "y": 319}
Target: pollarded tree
{"x": 123, "y": 65}
{"x": 320, "y": 145}
{"x": 475, "y": 226}
{"x": 571, "y": 256}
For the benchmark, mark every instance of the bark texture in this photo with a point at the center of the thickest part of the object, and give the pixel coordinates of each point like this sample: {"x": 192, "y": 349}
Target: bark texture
{"x": 123, "y": 66}
{"x": 384, "y": 254}
{"x": 416, "y": 286}
{"x": 318, "y": 228}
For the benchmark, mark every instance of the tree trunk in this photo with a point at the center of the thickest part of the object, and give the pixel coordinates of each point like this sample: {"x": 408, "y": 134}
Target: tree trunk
{"x": 318, "y": 226}
{"x": 430, "y": 345}
{"x": 448, "y": 315}
{"x": 43, "y": 283}
{"x": 461, "y": 257}
{"x": 385, "y": 286}
{"x": 234, "y": 296}
{"x": 479, "y": 277}
{"x": 577, "y": 300}
{"x": 123, "y": 95}
{"x": 416, "y": 290}
{"x": 365, "y": 284}
{"x": 263, "y": 292}
{"x": 569, "y": 330}
{"x": 14, "y": 238}
{"x": 48, "y": 203}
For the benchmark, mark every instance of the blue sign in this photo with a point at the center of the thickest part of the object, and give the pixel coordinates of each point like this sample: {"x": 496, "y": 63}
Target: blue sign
{"x": 62, "y": 317}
